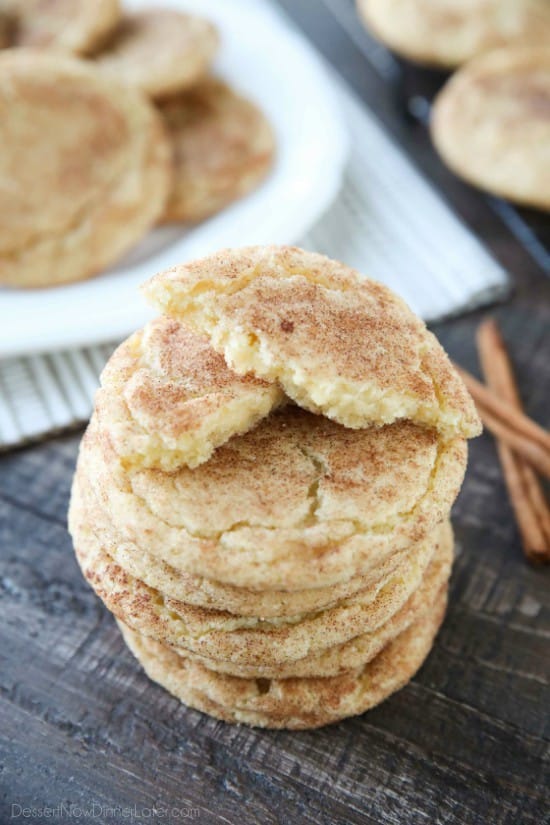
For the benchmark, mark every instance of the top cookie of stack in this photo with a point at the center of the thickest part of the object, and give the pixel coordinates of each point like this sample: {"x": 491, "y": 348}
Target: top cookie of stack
{"x": 338, "y": 345}
{"x": 264, "y": 488}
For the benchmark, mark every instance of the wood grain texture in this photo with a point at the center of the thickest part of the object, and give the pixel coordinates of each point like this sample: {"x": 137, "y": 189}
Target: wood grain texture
{"x": 466, "y": 742}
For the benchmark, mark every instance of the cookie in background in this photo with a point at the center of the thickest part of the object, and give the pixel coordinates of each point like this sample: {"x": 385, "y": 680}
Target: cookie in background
{"x": 447, "y": 33}
{"x": 74, "y": 26}
{"x": 223, "y": 147}
{"x": 86, "y": 164}
{"x": 491, "y": 124}
{"x": 160, "y": 51}
{"x": 88, "y": 157}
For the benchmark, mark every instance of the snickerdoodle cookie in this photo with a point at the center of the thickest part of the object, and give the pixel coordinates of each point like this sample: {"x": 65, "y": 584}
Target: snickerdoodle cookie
{"x": 491, "y": 124}
{"x": 297, "y": 502}
{"x": 83, "y": 168}
{"x": 161, "y": 51}
{"x": 170, "y": 399}
{"x": 274, "y": 563}
{"x": 254, "y": 642}
{"x": 322, "y": 642}
{"x": 337, "y": 343}
{"x": 450, "y": 32}
{"x": 290, "y": 703}
{"x": 87, "y": 514}
{"x": 223, "y": 147}
{"x": 76, "y": 26}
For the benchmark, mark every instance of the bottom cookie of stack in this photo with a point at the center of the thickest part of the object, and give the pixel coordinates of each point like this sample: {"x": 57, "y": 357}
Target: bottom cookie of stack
{"x": 295, "y": 703}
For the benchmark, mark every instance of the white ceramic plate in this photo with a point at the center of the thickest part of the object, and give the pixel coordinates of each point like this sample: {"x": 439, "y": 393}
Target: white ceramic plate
{"x": 265, "y": 58}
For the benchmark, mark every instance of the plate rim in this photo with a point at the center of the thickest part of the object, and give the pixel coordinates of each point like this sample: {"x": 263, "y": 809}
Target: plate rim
{"x": 119, "y": 323}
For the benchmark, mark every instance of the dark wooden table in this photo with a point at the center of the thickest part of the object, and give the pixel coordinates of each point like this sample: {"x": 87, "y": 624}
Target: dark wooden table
{"x": 466, "y": 742}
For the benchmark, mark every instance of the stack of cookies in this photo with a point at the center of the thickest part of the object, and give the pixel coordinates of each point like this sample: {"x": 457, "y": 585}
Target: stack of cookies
{"x": 262, "y": 496}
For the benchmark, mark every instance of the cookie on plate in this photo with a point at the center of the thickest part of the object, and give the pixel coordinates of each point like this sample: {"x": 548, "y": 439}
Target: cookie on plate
{"x": 448, "y": 33}
{"x": 161, "y": 51}
{"x": 84, "y": 166}
{"x": 76, "y": 26}
{"x": 491, "y": 124}
{"x": 223, "y": 147}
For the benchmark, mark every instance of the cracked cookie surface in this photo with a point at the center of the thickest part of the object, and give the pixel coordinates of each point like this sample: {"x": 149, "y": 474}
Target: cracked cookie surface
{"x": 209, "y": 593}
{"x": 262, "y": 514}
{"x": 283, "y": 565}
{"x": 241, "y": 640}
{"x": 321, "y": 642}
{"x": 168, "y": 399}
{"x": 338, "y": 344}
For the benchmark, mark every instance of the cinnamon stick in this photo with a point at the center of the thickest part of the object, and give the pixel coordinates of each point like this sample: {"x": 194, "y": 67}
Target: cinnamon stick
{"x": 531, "y": 451}
{"x": 506, "y": 412}
{"x": 526, "y": 494}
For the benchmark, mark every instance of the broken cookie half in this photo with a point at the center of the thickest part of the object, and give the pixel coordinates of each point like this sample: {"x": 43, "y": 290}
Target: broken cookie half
{"x": 338, "y": 344}
{"x": 167, "y": 399}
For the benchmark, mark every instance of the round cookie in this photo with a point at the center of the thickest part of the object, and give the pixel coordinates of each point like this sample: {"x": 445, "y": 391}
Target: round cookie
{"x": 85, "y": 164}
{"x": 241, "y": 640}
{"x": 76, "y": 26}
{"x": 170, "y": 399}
{"x": 491, "y": 124}
{"x": 161, "y": 51}
{"x": 360, "y": 649}
{"x": 337, "y": 343}
{"x": 298, "y": 502}
{"x": 448, "y": 33}
{"x": 202, "y": 592}
{"x": 290, "y": 703}
{"x": 223, "y": 147}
